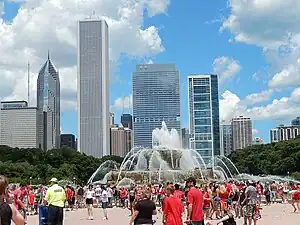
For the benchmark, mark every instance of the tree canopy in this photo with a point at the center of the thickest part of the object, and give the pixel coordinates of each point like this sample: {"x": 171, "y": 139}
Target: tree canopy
{"x": 19, "y": 165}
{"x": 282, "y": 158}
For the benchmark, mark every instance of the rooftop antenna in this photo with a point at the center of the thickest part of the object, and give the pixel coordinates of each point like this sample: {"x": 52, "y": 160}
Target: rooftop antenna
{"x": 28, "y": 83}
{"x": 48, "y": 54}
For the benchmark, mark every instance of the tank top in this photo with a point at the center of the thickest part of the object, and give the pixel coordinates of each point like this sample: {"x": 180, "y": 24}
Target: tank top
{"x": 5, "y": 214}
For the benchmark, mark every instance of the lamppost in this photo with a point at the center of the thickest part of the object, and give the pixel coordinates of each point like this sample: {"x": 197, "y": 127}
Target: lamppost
{"x": 30, "y": 180}
{"x": 74, "y": 180}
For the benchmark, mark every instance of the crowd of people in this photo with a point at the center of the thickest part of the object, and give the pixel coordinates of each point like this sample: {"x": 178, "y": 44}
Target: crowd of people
{"x": 192, "y": 203}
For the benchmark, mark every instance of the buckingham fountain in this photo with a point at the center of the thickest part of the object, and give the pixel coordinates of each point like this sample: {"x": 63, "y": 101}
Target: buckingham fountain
{"x": 165, "y": 161}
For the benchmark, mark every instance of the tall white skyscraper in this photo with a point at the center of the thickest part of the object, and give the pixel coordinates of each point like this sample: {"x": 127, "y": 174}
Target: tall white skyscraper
{"x": 48, "y": 105}
{"x": 93, "y": 88}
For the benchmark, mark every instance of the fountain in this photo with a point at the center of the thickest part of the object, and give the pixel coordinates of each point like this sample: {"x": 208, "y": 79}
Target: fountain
{"x": 165, "y": 161}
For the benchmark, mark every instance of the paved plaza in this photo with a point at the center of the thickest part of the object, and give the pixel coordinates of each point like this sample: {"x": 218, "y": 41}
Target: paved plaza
{"x": 278, "y": 214}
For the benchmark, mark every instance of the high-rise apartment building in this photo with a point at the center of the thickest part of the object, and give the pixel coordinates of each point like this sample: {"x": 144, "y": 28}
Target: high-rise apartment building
{"x": 156, "y": 98}
{"x": 204, "y": 122}
{"x": 226, "y": 139}
{"x": 241, "y": 132}
{"x": 93, "y": 88}
{"x": 274, "y": 135}
{"x": 68, "y": 140}
{"x": 126, "y": 120}
{"x": 121, "y": 141}
{"x": 284, "y": 133}
{"x": 18, "y": 125}
{"x": 48, "y": 104}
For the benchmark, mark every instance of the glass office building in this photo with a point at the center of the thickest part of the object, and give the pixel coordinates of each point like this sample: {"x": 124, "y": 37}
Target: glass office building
{"x": 156, "y": 98}
{"x": 48, "y": 106}
{"x": 204, "y": 124}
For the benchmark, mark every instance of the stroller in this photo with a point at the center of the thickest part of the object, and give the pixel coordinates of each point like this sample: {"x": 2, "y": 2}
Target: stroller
{"x": 43, "y": 215}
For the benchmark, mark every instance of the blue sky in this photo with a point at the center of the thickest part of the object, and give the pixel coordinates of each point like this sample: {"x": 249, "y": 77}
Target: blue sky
{"x": 255, "y": 56}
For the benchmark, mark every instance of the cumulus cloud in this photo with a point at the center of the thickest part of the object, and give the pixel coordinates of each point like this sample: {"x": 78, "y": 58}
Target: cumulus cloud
{"x": 266, "y": 23}
{"x": 256, "y": 98}
{"x": 41, "y": 25}
{"x": 123, "y": 103}
{"x": 226, "y": 68}
{"x": 284, "y": 108}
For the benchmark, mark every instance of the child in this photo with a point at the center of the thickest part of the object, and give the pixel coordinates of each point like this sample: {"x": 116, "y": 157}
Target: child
{"x": 228, "y": 219}
{"x": 31, "y": 198}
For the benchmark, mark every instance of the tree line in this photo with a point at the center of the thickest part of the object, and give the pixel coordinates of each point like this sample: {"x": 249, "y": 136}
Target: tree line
{"x": 39, "y": 166}
{"x": 281, "y": 158}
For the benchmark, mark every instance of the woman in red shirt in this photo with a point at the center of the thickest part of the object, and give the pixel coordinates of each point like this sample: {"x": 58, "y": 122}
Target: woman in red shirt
{"x": 207, "y": 196}
{"x": 123, "y": 195}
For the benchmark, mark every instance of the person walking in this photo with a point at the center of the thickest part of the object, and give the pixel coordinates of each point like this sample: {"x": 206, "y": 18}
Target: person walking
{"x": 55, "y": 199}
{"x": 104, "y": 200}
{"x": 195, "y": 214}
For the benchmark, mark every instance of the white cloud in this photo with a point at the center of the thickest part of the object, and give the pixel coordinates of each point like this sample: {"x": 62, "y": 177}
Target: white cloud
{"x": 225, "y": 68}
{"x": 284, "y": 108}
{"x": 254, "y": 132}
{"x": 266, "y": 23}
{"x": 123, "y": 103}
{"x": 256, "y": 98}
{"x": 289, "y": 76}
{"x": 41, "y": 25}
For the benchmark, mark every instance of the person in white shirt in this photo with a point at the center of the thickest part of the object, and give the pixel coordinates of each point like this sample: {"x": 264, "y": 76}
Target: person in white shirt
{"x": 109, "y": 195}
{"x": 89, "y": 200}
{"x": 98, "y": 191}
{"x": 104, "y": 199}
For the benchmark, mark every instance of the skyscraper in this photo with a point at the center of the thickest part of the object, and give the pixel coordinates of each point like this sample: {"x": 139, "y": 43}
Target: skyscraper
{"x": 48, "y": 106}
{"x": 18, "y": 124}
{"x": 126, "y": 120}
{"x": 226, "y": 139}
{"x": 93, "y": 88}
{"x": 241, "y": 132}
{"x": 156, "y": 98}
{"x": 204, "y": 115}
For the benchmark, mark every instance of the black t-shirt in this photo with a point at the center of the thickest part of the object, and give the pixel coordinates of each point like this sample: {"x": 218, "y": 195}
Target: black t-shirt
{"x": 5, "y": 214}
{"x": 80, "y": 191}
{"x": 145, "y": 208}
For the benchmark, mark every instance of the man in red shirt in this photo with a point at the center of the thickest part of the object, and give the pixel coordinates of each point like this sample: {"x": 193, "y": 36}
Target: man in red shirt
{"x": 178, "y": 193}
{"x": 173, "y": 209}
{"x": 19, "y": 195}
{"x": 195, "y": 214}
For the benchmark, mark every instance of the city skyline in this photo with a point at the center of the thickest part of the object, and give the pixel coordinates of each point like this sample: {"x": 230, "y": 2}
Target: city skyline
{"x": 249, "y": 62}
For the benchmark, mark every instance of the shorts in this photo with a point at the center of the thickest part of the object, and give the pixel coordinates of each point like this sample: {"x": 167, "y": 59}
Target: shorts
{"x": 89, "y": 201}
{"x": 131, "y": 198}
{"x": 104, "y": 205}
{"x": 249, "y": 210}
{"x": 206, "y": 208}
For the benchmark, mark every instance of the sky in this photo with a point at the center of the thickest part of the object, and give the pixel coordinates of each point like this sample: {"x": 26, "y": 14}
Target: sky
{"x": 253, "y": 46}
